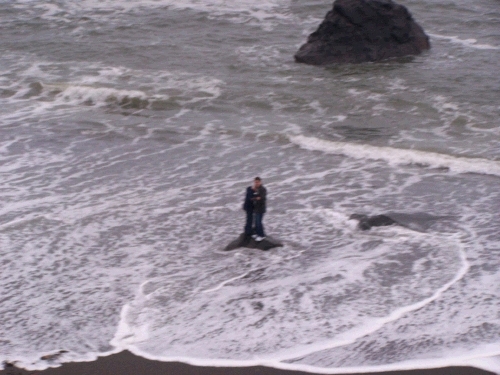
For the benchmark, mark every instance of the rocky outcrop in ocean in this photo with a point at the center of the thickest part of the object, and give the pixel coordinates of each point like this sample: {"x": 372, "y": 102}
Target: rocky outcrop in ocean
{"x": 246, "y": 241}
{"x": 356, "y": 31}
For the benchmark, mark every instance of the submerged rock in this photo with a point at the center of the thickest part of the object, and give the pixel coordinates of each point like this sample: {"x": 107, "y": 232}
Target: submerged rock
{"x": 366, "y": 222}
{"x": 247, "y": 241}
{"x": 54, "y": 356}
{"x": 418, "y": 221}
{"x": 356, "y": 31}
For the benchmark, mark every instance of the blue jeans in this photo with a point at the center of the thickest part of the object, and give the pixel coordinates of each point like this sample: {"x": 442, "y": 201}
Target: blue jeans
{"x": 249, "y": 223}
{"x": 259, "y": 228}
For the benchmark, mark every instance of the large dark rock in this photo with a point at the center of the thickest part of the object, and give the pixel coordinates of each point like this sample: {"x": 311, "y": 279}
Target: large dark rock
{"x": 356, "y": 31}
{"x": 247, "y": 241}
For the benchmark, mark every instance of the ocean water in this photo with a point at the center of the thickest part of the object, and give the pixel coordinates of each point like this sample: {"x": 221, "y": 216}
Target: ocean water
{"x": 130, "y": 130}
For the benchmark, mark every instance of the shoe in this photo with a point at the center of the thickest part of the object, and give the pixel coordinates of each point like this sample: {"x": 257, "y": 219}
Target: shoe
{"x": 259, "y": 238}
{"x": 254, "y": 236}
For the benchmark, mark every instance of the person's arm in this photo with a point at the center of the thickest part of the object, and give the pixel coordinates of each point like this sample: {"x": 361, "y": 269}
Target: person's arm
{"x": 262, "y": 194}
{"x": 248, "y": 199}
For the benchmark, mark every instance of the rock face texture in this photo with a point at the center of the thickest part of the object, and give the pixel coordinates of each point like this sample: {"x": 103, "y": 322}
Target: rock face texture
{"x": 247, "y": 241}
{"x": 356, "y": 31}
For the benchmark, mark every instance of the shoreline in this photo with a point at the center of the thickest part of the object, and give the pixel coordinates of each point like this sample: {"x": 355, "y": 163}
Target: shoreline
{"x": 126, "y": 363}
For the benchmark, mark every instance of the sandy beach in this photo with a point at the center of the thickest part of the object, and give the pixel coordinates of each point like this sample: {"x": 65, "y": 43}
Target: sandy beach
{"x": 126, "y": 363}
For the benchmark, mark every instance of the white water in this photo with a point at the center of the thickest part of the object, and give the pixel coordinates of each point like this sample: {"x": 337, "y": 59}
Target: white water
{"x": 130, "y": 131}
{"x": 395, "y": 156}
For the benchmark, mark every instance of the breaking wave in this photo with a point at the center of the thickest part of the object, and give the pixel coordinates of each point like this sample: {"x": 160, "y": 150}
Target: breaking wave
{"x": 396, "y": 156}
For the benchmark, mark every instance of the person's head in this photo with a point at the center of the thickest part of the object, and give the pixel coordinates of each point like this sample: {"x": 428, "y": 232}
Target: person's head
{"x": 257, "y": 182}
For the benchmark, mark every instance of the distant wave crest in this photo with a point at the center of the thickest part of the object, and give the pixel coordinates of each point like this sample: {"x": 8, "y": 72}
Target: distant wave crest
{"x": 396, "y": 156}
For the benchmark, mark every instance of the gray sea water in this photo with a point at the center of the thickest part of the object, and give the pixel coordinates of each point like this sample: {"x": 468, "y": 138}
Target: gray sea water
{"x": 130, "y": 130}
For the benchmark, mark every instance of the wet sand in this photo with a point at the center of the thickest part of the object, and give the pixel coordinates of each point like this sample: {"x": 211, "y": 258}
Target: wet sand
{"x": 126, "y": 363}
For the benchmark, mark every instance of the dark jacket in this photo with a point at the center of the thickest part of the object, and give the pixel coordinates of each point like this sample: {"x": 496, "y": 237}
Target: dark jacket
{"x": 248, "y": 205}
{"x": 253, "y": 205}
{"x": 259, "y": 206}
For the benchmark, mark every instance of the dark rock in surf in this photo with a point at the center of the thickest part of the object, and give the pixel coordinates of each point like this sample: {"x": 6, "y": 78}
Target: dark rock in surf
{"x": 366, "y": 222}
{"x": 356, "y": 31}
{"x": 418, "y": 221}
{"x": 36, "y": 89}
{"x": 51, "y": 357}
{"x": 247, "y": 241}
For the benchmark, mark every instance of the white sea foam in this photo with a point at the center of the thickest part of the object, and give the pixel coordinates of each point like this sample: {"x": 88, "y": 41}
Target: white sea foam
{"x": 120, "y": 212}
{"x": 469, "y": 43}
{"x": 135, "y": 337}
{"x": 141, "y": 250}
{"x": 265, "y": 14}
{"x": 47, "y": 88}
{"x": 376, "y": 324}
{"x": 395, "y": 156}
{"x": 339, "y": 118}
{"x": 486, "y": 357}
{"x": 152, "y": 315}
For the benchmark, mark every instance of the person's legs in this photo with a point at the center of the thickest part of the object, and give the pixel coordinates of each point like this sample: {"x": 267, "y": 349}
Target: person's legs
{"x": 259, "y": 228}
{"x": 249, "y": 222}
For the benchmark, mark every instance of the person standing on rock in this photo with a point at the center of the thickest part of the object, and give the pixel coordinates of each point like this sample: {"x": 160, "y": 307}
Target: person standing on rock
{"x": 255, "y": 207}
